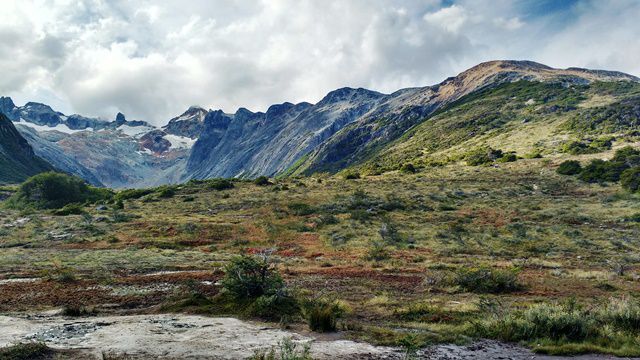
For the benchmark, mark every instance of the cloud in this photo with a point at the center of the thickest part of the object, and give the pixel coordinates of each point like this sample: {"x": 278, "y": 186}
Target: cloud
{"x": 151, "y": 59}
{"x": 450, "y": 18}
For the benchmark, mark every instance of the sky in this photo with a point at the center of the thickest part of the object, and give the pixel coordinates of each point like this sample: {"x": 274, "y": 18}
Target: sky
{"x": 152, "y": 59}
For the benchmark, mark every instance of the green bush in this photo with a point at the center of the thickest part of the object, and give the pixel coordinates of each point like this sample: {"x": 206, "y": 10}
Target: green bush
{"x": 301, "y": 209}
{"x": 262, "y": 181}
{"x": 598, "y": 171}
{"x": 595, "y": 146}
{"x": 53, "y": 190}
{"x": 249, "y": 277}
{"x": 26, "y": 351}
{"x": 627, "y": 155}
{"x": 576, "y": 148}
{"x": 408, "y": 169}
{"x": 630, "y": 179}
{"x": 70, "y": 209}
{"x": 166, "y": 191}
{"x": 486, "y": 280}
{"x": 131, "y": 194}
{"x": 219, "y": 184}
{"x": 510, "y": 157}
{"x": 377, "y": 251}
{"x": 482, "y": 156}
{"x": 281, "y": 304}
{"x": 351, "y": 175}
{"x": 569, "y": 167}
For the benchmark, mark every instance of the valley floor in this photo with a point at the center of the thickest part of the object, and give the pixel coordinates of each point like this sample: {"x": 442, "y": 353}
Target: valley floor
{"x": 394, "y": 250}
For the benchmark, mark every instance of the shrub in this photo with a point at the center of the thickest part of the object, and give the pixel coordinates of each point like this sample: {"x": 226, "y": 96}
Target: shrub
{"x": 166, "y": 191}
{"x": 377, "y": 251}
{"x": 70, "y": 209}
{"x": 24, "y": 351}
{"x": 281, "y": 304}
{"x": 576, "y": 148}
{"x": 262, "y": 181}
{"x": 249, "y": 277}
{"x": 569, "y": 167}
{"x": 408, "y": 169}
{"x": 131, "y": 194}
{"x": 508, "y": 158}
{"x": 630, "y": 179}
{"x": 53, "y": 190}
{"x": 76, "y": 311}
{"x": 533, "y": 155}
{"x": 351, "y": 175}
{"x": 301, "y": 209}
{"x": 389, "y": 233}
{"x": 220, "y": 184}
{"x": 486, "y": 280}
{"x": 627, "y": 155}
{"x": 482, "y": 156}
{"x": 602, "y": 171}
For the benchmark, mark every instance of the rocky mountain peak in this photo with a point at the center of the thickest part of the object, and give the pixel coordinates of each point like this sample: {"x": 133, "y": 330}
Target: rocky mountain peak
{"x": 347, "y": 94}
{"x": 6, "y": 105}
{"x": 120, "y": 119}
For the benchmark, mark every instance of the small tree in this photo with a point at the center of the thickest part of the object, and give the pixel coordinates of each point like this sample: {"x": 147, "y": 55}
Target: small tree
{"x": 569, "y": 167}
{"x": 249, "y": 277}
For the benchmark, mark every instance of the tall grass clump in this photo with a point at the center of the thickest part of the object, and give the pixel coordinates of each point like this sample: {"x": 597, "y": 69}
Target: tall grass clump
{"x": 569, "y": 328}
{"x": 322, "y": 314}
{"x": 255, "y": 282}
{"x": 485, "y": 280}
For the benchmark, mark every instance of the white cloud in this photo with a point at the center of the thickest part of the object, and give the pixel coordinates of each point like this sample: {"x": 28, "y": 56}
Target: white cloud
{"x": 450, "y": 18}
{"x": 152, "y": 59}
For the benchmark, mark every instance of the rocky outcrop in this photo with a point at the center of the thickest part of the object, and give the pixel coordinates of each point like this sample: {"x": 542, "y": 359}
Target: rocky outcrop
{"x": 190, "y": 124}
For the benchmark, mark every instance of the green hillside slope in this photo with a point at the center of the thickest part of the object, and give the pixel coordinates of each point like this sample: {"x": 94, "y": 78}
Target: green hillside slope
{"x": 525, "y": 118}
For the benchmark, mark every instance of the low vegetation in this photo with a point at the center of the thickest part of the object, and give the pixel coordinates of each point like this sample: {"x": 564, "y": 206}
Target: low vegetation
{"x": 522, "y": 251}
{"x": 52, "y": 190}
{"x": 570, "y": 327}
{"x": 25, "y": 351}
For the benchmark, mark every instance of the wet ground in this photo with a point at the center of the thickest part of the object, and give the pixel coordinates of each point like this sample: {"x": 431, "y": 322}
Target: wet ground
{"x": 177, "y": 336}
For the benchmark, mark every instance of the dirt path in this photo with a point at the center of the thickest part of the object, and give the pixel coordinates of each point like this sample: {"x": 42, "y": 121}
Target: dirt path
{"x": 177, "y": 336}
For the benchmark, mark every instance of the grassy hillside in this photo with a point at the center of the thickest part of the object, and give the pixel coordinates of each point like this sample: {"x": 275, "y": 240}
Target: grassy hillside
{"x": 523, "y": 117}
{"x": 448, "y": 254}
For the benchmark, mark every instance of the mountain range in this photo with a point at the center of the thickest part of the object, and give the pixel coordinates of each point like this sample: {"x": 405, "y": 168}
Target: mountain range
{"x": 519, "y": 106}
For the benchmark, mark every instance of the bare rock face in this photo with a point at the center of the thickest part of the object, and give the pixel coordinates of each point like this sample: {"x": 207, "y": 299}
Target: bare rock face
{"x": 155, "y": 142}
{"x": 190, "y": 124}
{"x": 17, "y": 159}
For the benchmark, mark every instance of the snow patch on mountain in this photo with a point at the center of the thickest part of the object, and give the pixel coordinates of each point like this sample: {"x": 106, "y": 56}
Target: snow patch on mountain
{"x": 180, "y": 142}
{"x": 60, "y": 127}
{"x": 135, "y": 131}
